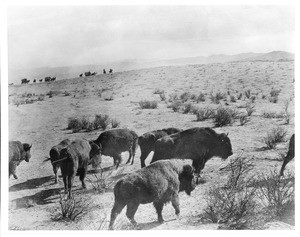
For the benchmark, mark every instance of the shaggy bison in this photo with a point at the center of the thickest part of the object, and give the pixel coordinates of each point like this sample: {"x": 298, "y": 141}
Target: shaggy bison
{"x": 54, "y": 156}
{"x": 74, "y": 160}
{"x": 148, "y": 139}
{"x": 17, "y": 153}
{"x": 197, "y": 144}
{"x": 116, "y": 141}
{"x": 290, "y": 155}
{"x": 159, "y": 183}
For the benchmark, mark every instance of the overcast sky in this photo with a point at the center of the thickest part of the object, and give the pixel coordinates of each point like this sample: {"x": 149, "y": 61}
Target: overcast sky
{"x": 66, "y": 35}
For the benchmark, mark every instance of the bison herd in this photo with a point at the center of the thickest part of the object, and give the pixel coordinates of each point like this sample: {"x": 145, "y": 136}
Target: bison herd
{"x": 158, "y": 183}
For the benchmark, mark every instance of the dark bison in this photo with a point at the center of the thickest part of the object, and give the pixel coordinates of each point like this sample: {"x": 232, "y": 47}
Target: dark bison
{"x": 47, "y": 79}
{"x": 159, "y": 183}
{"x": 34, "y": 81}
{"x": 110, "y": 71}
{"x": 87, "y": 74}
{"x": 74, "y": 160}
{"x": 93, "y": 73}
{"x": 290, "y": 155}
{"x": 148, "y": 139}
{"x": 116, "y": 141}
{"x": 104, "y": 72}
{"x": 53, "y": 79}
{"x": 197, "y": 144}
{"x": 81, "y": 75}
{"x": 55, "y": 154}
{"x": 17, "y": 153}
{"x": 24, "y": 81}
{"x": 41, "y": 80}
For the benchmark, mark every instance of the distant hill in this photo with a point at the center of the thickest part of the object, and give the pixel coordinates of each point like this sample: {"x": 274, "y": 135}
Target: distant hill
{"x": 16, "y": 75}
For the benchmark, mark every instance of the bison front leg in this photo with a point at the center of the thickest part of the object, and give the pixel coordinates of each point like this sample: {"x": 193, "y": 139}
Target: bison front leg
{"x": 117, "y": 160}
{"x": 70, "y": 184}
{"x": 175, "y": 204}
{"x": 13, "y": 169}
{"x": 82, "y": 177}
{"x": 159, "y": 207}
{"x": 116, "y": 210}
{"x": 55, "y": 169}
{"x": 143, "y": 157}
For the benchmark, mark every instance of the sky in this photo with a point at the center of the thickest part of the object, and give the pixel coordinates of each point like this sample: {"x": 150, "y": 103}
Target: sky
{"x": 54, "y": 36}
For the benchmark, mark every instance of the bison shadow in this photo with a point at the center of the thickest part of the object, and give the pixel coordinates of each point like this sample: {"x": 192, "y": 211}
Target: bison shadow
{"x": 30, "y": 184}
{"x": 151, "y": 225}
{"x": 41, "y": 198}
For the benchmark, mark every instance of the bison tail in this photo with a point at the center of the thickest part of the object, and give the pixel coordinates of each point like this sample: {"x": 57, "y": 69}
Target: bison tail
{"x": 47, "y": 159}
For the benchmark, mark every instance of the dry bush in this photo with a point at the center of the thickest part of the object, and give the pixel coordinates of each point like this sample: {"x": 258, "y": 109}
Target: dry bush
{"x": 162, "y": 96}
{"x": 217, "y": 97}
{"x": 74, "y": 124}
{"x": 200, "y": 98}
{"x": 275, "y": 136}
{"x": 276, "y": 194}
{"x": 72, "y": 209}
{"x": 115, "y": 123}
{"x": 253, "y": 98}
{"x": 204, "y": 113}
{"x": 248, "y": 93}
{"x": 232, "y": 98}
{"x": 147, "y": 104}
{"x": 233, "y": 206}
{"x": 101, "y": 121}
{"x": 273, "y": 99}
{"x": 250, "y": 108}
{"x": 224, "y": 116}
{"x": 188, "y": 108}
{"x": 240, "y": 96}
{"x": 185, "y": 96}
{"x": 109, "y": 98}
{"x": 275, "y": 92}
{"x": 173, "y": 97}
{"x": 158, "y": 91}
{"x": 101, "y": 182}
{"x": 244, "y": 119}
{"x": 193, "y": 97}
{"x": 175, "y": 105}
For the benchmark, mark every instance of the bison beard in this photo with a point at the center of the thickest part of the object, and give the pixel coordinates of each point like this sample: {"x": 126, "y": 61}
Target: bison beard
{"x": 158, "y": 183}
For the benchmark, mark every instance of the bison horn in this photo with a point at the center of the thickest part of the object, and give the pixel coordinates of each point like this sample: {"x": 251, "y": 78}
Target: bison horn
{"x": 227, "y": 134}
{"x": 30, "y": 146}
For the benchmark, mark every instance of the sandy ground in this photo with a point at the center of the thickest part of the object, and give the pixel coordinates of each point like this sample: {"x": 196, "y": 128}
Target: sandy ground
{"x": 44, "y": 123}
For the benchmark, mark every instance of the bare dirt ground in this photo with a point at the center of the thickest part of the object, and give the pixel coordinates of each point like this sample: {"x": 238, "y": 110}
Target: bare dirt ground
{"x": 34, "y": 199}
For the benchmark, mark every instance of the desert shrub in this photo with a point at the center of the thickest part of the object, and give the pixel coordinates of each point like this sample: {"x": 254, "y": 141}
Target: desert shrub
{"x": 253, "y": 98}
{"x": 276, "y": 194}
{"x": 85, "y": 123}
{"x": 250, "y": 108}
{"x": 217, "y": 97}
{"x": 162, "y": 96}
{"x": 74, "y": 124}
{"x": 204, "y": 113}
{"x": 223, "y": 116}
{"x": 273, "y": 99}
{"x": 101, "y": 121}
{"x": 90, "y": 127}
{"x": 201, "y": 97}
{"x": 66, "y": 93}
{"x": 263, "y": 96}
{"x": 115, "y": 123}
{"x": 275, "y": 136}
{"x": 267, "y": 114}
{"x": 233, "y": 206}
{"x": 173, "y": 97}
{"x": 193, "y": 97}
{"x": 185, "y": 96}
{"x": 175, "y": 105}
{"x": 72, "y": 209}
{"x": 188, "y": 108}
{"x": 109, "y": 98}
{"x": 41, "y": 98}
{"x": 158, "y": 91}
{"x": 239, "y": 96}
{"x": 100, "y": 182}
{"x": 147, "y": 104}
{"x": 275, "y": 92}
{"x": 244, "y": 119}
{"x": 248, "y": 93}
{"x": 232, "y": 98}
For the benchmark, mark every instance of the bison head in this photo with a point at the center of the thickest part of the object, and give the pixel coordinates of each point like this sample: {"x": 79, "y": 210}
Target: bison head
{"x": 95, "y": 154}
{"x": 187, "y": 181}
{"x": 224, "y": 149}
{"x": 27, "y": 154}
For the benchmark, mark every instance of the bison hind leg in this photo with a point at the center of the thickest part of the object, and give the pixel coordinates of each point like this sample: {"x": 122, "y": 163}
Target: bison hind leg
{"x": 131, "y": 210}
{"x": 116, "y": 210}
{"x": 159, "y": 207}
{"x": 175, "y": 204}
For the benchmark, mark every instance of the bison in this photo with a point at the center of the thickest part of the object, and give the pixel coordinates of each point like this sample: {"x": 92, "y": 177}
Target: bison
{"x": 290, "y": 155}
{"x": 197, "y": 144}
{"x": 158, "y": 183}
{"x": 80, "y": 75}
{"x": 87, "y": 74}
{"x": 24, "y": 81}
{"x": 148, "y": 139}
{"x": 17, "y": 152}
{"x": 104, "y": 72}
{"x": 116, "y": 141}
{"x": 74, "y": 160}
{"x": 55, "y": 154}
{"x": 40, "y": 80}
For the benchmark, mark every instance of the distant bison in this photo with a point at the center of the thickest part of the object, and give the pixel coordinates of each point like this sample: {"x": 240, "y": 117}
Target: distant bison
{"x": 116, "y": 141}
{"x": 75, "y": 159}
{"x": 87, "y": 74}
{"x": 24, "y": 81}
{"x": 159, "y": 183}
{"x": 55, "y": 154}
{"x": 34, "y": 81}
{"x": 17, "y": 153}
{"x": 110, "y": 71}
{"x": 290, "y": 155}
{"x": 93, "y": 73}
{"x": 104, "y": 72}
{"x": 81, "y": 75}
{"x": 53, "y": 79}
{"x": 148, "y": 139}
{"x": 40, "y": 80}
{"x": 197, "y": 144}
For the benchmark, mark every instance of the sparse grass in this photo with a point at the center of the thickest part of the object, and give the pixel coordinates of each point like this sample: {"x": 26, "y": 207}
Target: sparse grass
{"x": 147, "y": 104}
{"x": 272, "y": 115}
{"x": 273, "y": 99}
{"x": 175, "y": 105}
{"x": 232, "y": 99}
{"x": 244, "y": 119}
{"x": 173, "y": 97}
{"x": 204, "y": 113}
{"x": 217, "y": 97}
{"x": 275, "y": 92}
{"x": 275, "y": 136}
{"x": 185, "y": 96}
{"x": 250, "y": 108}
{"x": 115, "y": 123}
{"x": 188, "y": 108}
{"x": 101, "y": 182}
{"x": 240, "y": 96}
{"x": 248, "y": 93}
{"x": 200, "y": 98}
